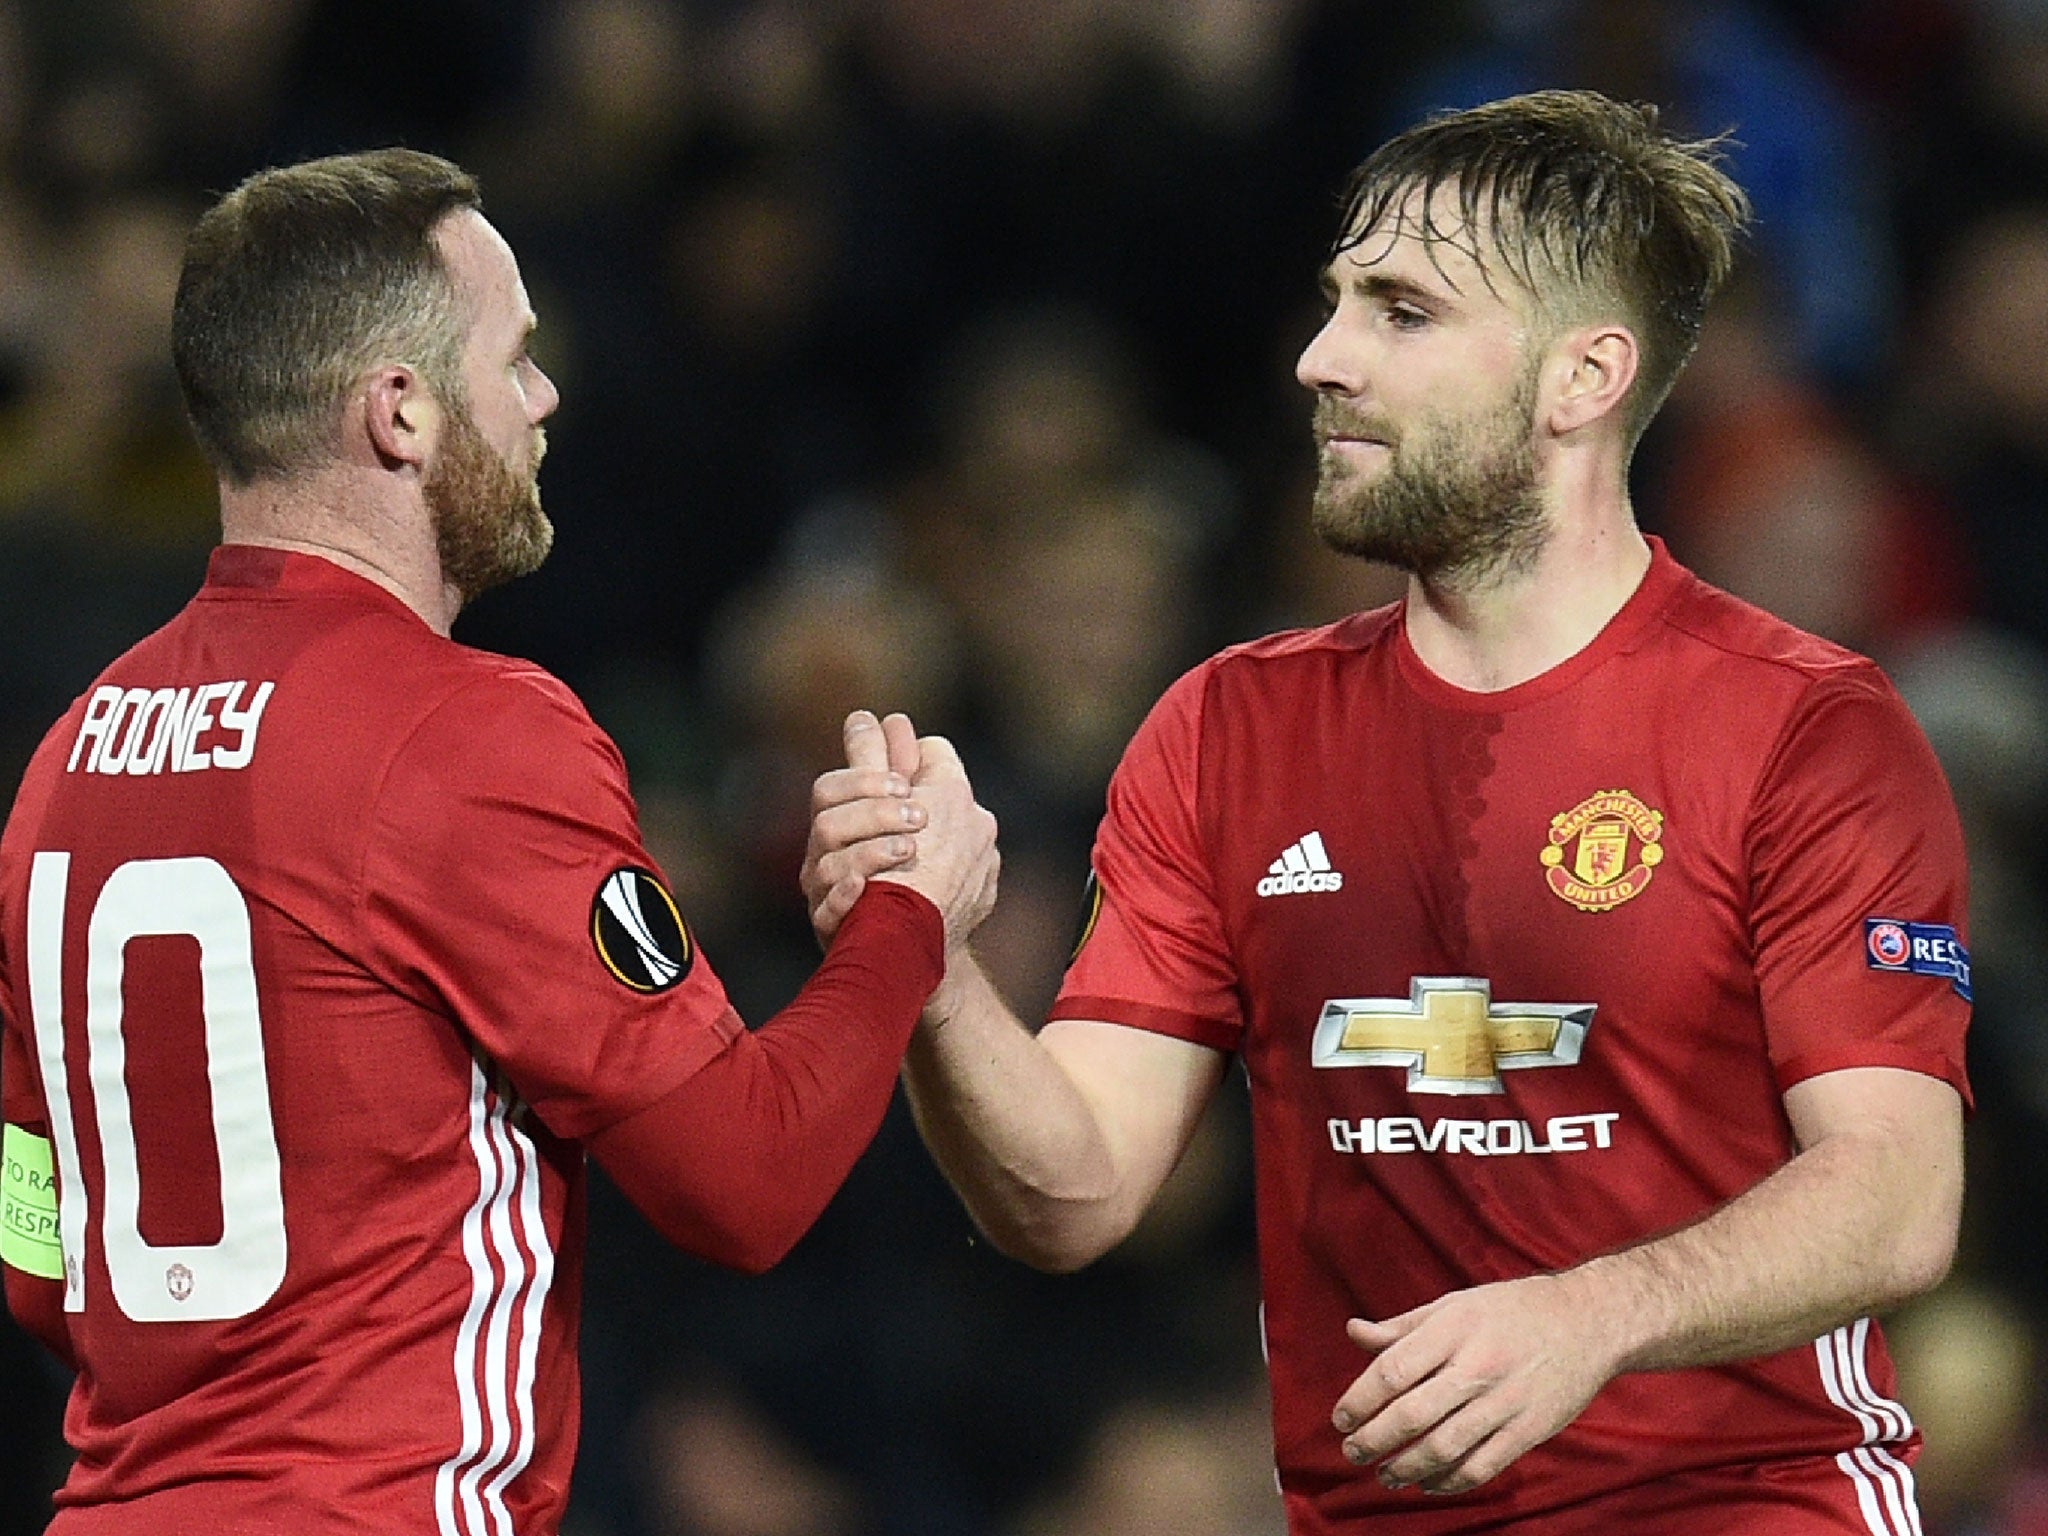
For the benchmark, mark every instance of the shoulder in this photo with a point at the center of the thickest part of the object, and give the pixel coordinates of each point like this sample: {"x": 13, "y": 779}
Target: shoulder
{"x": 45, "y": 768}
{"x": 392, "y": 657}
{"x": 1816, "y": 711}
{"x": 496, "y": 719}
{"x": 1249, "y": 690}
{"x": 1280, "y": 669}
{"x": 1275, "y": 665}
{"x": 1348, "y": 638}
{"x": 502, "y": 756}
{"x": 1722, "y": 627}
{"x": 371, "y": 698}
{"x": 1718, "y": 664}
{"x": 502, "y": 695}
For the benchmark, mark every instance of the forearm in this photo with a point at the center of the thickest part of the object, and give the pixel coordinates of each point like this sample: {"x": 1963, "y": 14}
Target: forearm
{"x": 738, "y": 1162}
{"x": 1011, "y": 1131}
{"x": 1850, "y": 1227}
{"x": 1861, "y": 1217}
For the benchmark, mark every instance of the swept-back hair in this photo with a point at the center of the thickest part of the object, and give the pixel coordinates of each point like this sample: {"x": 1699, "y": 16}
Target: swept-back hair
{"x": 1582, "y": 200}
{"x": 299, "y": 282}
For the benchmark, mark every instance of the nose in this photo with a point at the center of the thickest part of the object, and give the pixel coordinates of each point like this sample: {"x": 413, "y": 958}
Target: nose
{"x": 1327, "y": 366}
{"x": 542, "y": 398}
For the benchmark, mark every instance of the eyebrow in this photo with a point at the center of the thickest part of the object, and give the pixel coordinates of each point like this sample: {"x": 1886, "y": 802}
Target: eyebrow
{"x": 1384, "y": 287}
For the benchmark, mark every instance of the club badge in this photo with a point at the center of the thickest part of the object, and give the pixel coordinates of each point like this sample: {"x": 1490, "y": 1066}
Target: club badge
{"x": 1603, "y": 850}
{"x": 638, "y": 932}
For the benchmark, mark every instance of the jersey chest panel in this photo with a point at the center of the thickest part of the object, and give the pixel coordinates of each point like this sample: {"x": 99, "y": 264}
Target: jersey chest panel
{"x": 1520, "y": 991}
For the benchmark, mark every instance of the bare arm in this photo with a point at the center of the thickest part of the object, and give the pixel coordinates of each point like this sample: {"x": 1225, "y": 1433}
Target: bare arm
{"x": 1861, "y": 1220}
{"x": 1056, "y": 1143}
{"x": 1862, "y": 1217}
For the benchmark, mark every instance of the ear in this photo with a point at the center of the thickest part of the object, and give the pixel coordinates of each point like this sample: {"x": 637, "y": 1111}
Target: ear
{"x": 1593, "y": 369}
{"x": 401, "y": 417}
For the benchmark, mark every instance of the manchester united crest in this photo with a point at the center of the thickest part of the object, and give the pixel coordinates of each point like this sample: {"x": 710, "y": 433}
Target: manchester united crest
{"x": 1602, "y": 851}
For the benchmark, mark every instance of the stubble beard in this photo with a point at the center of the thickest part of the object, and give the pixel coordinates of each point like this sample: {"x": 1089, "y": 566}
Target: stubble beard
{"x": 488, "y": 522}
{"x": 1455, "y": 504}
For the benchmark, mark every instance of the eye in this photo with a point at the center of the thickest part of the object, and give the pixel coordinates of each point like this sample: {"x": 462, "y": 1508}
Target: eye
{"x": 1404, "y": 316}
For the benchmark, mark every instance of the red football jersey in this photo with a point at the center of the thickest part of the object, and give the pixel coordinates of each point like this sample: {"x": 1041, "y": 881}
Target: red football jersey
{"x": 1521, "y": 977}
{"x": 323, "y": 940}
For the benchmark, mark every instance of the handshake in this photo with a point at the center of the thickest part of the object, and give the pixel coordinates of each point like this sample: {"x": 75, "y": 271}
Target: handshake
{"x": 900, "y": 810}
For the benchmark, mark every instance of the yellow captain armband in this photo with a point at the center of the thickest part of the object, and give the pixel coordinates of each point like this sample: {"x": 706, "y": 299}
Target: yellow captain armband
{"x": 28, "y": 1206}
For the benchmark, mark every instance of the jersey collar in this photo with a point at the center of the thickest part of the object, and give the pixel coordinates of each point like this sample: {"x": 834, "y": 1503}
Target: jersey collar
{"x": 1620, "y": 634}
{"x": 242, "y": 570}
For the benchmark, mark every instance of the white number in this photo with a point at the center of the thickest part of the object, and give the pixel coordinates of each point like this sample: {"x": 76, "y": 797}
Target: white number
{"x": 190, "y": 898}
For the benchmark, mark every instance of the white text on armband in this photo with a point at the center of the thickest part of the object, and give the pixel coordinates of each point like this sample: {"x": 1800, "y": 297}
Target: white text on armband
{"x": 1475, "y": 1138}
{"x": 142, "y": 731}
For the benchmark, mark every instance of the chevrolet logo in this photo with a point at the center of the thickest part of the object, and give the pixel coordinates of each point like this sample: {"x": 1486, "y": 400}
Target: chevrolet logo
{"x": 1450, "y": 1034}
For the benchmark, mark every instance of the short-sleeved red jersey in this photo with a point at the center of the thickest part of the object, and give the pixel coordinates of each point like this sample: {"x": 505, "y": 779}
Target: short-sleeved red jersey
{"x": 323, "y": 940}
{"x": 1521, "y": 977}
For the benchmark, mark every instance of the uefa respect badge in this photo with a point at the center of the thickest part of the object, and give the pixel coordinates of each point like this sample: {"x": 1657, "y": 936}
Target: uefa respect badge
{"x": 1918, "y": 949}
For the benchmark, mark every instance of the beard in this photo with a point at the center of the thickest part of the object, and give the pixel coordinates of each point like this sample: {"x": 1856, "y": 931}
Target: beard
{"x": 1456, "y": 502}
{"x": 488, "y": 523}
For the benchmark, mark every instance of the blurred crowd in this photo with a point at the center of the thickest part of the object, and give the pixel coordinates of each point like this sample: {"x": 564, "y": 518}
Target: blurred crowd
{"x": 937, "y": 355}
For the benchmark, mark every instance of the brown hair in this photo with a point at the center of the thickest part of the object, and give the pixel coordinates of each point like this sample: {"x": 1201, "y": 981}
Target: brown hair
{"x": 1585, "y": 202}
{"x": 297, "y": 283}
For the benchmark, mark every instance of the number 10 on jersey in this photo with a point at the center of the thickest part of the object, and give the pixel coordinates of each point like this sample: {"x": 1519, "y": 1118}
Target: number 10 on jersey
{"x": 189, "y": 898}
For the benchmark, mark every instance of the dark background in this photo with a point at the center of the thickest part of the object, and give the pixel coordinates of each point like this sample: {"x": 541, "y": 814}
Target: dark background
{"x": 936, "y": 354}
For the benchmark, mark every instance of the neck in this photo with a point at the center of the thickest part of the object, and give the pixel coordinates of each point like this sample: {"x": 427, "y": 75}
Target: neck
{"x": 1505, "y": 629}
{"x": 352, "y": 522}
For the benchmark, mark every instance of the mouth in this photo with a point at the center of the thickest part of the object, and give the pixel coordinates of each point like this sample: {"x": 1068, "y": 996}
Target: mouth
{"x": 1352, "y": 444}
{"x": 1333, "y": 428}
{"x": 1348, "y": 434}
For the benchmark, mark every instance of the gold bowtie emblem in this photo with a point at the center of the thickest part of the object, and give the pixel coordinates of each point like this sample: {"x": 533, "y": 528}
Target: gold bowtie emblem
{"x": 1450, "y": 1034}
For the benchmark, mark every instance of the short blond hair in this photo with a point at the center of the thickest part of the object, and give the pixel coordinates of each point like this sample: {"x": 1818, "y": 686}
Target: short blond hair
{"x": 1585, "y": 202}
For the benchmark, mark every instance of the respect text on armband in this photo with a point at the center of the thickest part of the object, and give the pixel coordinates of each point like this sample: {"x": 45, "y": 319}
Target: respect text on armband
{"x": 141, "y": 731}
{"x": 29, "y": 1237}
{"x": 1397, "y": 1134}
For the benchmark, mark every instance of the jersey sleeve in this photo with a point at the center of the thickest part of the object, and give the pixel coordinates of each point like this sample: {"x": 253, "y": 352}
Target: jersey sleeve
{"x": 1154, "y": 955}
{"x": 21, "y": 1101}
{"x": 29, "y": 1262}
{"x": 1857, "y": 891}
{"x": 505, "y": 884}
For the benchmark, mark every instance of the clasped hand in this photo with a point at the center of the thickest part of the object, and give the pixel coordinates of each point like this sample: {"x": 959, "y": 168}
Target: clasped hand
{"x": 902, "y": 809}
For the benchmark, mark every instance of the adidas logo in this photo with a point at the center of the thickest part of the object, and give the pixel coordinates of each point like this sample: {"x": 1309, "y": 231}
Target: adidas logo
{"x": 1302, "y": 866}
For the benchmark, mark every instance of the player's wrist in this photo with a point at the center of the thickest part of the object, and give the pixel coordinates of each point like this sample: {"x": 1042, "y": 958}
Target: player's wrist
{"x": 1622, "y": 1319}
{"x": 954, "y": 996}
